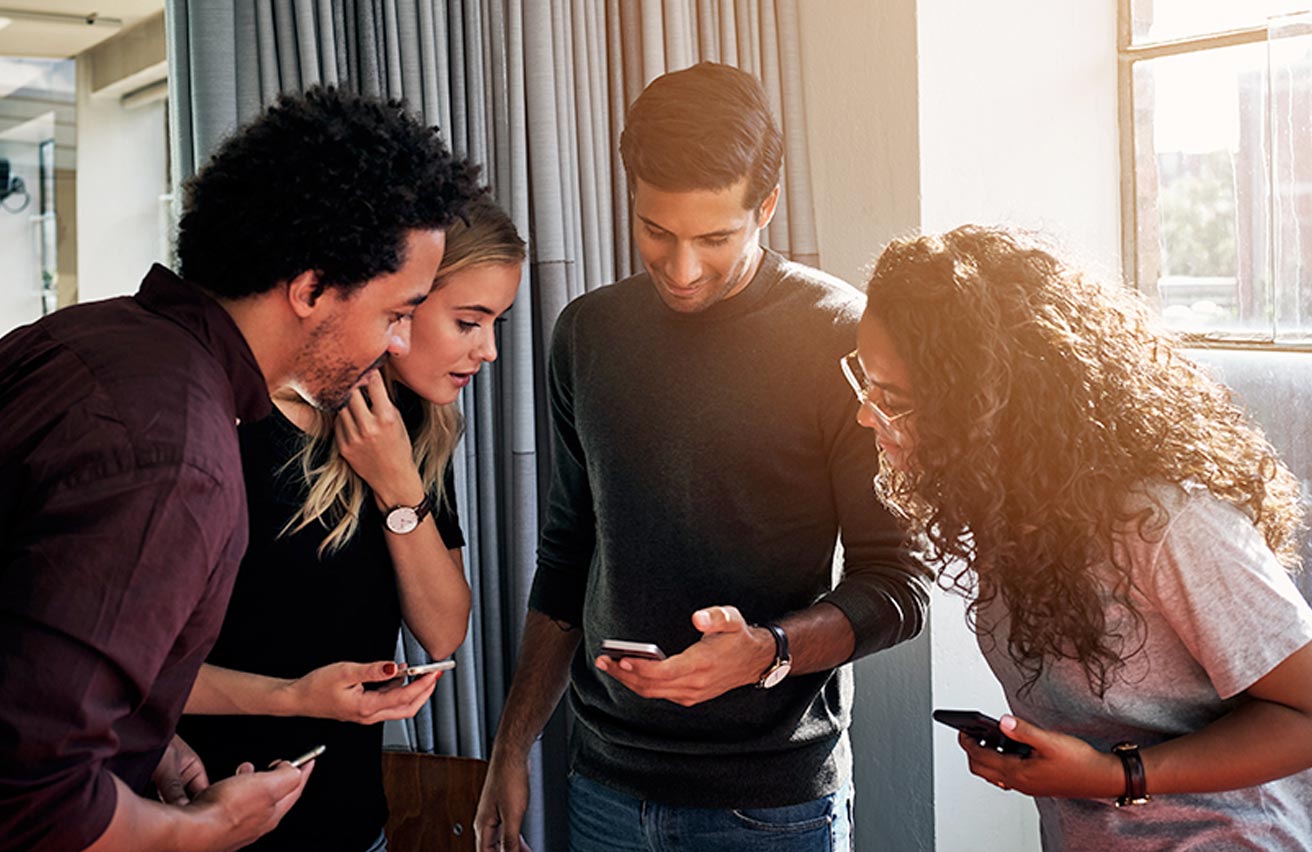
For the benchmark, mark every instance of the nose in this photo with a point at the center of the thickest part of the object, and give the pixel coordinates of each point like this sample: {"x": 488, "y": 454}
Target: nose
{"x": 866, "y": 417}
{"x": 487, "y": 345}
{"x": 398, "y": 339}
{"x": 685, "y": 266}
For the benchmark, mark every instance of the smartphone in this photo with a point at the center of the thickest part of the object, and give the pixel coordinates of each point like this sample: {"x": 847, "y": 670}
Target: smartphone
{"x": 983, "y": 729}
{"x": 425, "y": 668}
{"x": 618, "y": 648}
{"x": 308, "y": 756}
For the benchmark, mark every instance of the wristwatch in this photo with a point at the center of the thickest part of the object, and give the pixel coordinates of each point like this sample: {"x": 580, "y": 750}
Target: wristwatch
{"x": 404, "y": 519}
{"x": 1136, "y": 784}
{"x": 783, "y": 660}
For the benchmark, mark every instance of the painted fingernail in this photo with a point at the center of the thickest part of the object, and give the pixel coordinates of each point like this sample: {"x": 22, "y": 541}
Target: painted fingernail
{"x": 389, "y": 669}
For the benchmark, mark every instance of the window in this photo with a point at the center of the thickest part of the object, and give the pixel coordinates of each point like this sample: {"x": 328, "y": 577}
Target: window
{"x": 1216, "y": 116}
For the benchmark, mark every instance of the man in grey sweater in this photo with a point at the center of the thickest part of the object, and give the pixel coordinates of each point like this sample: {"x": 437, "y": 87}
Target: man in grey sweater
{"x": 705, "y": 457}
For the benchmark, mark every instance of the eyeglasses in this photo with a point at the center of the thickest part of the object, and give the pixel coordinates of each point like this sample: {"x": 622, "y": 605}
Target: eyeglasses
{"x": 856, "y": 377}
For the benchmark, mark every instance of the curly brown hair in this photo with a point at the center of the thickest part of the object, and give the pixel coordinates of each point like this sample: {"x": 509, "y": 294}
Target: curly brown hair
{"x": 1043, "y": 399}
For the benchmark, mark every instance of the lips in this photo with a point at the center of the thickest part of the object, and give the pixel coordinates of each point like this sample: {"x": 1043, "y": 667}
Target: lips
{"x": 461, "y": 379}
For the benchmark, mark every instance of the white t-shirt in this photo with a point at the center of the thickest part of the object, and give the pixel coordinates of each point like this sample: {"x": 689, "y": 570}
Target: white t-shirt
{"x": 1219, "y": 613}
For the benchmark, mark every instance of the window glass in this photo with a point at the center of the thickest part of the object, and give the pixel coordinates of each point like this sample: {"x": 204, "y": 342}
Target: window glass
{"x": 1167, "y": 20}
{"x": 1201, "y": 172}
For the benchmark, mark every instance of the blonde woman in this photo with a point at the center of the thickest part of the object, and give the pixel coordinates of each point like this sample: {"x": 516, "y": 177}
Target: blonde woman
{"x": 1123, "y": 532}
{"x": 353, "y": 529}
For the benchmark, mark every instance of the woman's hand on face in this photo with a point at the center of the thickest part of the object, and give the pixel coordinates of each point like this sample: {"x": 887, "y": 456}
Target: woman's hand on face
{"x": 338, "y": 691}
{"x": 372, "y": 437}
{"x": 1060, "y": 765}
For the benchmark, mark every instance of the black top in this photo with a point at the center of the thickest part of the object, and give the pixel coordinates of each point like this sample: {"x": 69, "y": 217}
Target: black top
{"x": 290, "y": 613}
{"x": 122, "y": 522}
{"x": 704, "y": 459}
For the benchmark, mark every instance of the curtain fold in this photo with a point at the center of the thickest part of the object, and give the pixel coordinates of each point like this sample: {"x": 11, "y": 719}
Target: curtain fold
{"x": 535, "y": 91}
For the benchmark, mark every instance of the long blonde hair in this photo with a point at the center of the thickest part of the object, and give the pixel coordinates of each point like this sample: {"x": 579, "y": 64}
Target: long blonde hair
{"x": 336, "y": 493}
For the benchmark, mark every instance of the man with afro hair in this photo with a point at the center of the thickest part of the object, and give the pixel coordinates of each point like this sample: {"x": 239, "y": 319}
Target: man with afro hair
{"x": 305, "y": 245}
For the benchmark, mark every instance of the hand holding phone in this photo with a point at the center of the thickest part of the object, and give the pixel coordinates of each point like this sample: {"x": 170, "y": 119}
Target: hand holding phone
{"x": 983, "y": 730}
{"x": 620, "y": 648}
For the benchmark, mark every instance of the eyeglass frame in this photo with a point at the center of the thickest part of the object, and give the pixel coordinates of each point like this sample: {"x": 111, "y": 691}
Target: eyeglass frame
{"x": 862, "y": 392}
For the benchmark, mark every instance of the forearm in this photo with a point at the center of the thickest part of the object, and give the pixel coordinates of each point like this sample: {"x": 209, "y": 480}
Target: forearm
{"x": 220, "y": 691}
{"x": 435, "y": 597}
{"x": 1258, "y": 742}
{"x": 819, "y": 638}
{"x": 541, "y": 676}
{"x": 142, "y": 825}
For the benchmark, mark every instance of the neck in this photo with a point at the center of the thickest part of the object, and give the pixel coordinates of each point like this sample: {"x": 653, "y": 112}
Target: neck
{"x": 260, "y": 321}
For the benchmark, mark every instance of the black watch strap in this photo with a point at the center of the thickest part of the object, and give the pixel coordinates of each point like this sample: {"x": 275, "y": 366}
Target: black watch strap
{"x": 1136, "y": 783}
{"x": 781, "y": 654}
{"x": 783, "y": 660}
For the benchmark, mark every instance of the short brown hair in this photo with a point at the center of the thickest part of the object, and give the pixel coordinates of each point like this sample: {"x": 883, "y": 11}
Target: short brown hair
{"x": 705, "y": 127}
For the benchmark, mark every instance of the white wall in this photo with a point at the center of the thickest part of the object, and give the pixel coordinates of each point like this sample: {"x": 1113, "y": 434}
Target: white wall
{"x": 121, "y": 172}
{"x": 926, "y": 114}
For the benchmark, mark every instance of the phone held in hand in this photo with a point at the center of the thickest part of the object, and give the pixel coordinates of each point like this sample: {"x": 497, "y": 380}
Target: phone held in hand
{"x": 619, "y": 648}
{"x": 425, "y": 668}
{"x": 308, "y": 756}
{"x": 983, "y": 730}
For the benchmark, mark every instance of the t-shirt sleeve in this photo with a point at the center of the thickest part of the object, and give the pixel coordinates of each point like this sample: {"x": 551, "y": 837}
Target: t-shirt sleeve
{"x": 92, "y": 601}
{"x": 448, "y": 512}
{"x": 1226, "y": 596}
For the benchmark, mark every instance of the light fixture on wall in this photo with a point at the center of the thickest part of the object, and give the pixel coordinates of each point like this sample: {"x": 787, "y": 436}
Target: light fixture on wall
{"x": 10, "y": 186}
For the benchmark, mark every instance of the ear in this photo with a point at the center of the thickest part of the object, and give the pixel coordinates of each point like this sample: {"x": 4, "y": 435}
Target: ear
{"x": 766, "y": 211}
{"x": 303, "y": 293}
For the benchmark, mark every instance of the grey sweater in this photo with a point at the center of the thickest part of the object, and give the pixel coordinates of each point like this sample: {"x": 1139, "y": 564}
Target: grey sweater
{"x": 704, "y": 459}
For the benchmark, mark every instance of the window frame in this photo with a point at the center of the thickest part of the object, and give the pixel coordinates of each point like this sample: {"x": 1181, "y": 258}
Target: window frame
{"x": 1128, "y": 53}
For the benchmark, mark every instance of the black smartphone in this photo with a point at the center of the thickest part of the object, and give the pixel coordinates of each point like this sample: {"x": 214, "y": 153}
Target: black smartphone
{"x": 983, "y": 730}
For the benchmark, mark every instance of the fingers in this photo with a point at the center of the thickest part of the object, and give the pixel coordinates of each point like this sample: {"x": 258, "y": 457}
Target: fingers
{"x": 171, "y": 790}
{"x": 398, "y": 702}
{"x": 368, "y": 672}
{"x": 719, "y": 619}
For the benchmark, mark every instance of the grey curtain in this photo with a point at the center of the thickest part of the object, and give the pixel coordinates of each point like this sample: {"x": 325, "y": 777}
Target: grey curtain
{"x": 535, "y": 91}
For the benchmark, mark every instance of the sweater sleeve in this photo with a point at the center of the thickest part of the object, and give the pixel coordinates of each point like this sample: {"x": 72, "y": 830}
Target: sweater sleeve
{"x": 568, "y": 536}
{"x": 884, "y": 589}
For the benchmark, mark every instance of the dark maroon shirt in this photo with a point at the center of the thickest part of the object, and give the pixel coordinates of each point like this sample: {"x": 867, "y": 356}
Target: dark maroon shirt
{"x": 122, "y": 522}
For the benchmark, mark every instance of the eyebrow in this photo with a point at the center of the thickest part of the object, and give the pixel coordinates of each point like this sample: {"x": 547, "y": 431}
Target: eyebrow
{"x": 888, "y": 387}
{"x": 728, "y": 232}
{"x": 482, "y": 309}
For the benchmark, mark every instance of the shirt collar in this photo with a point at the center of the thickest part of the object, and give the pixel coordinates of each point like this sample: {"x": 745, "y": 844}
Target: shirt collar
{"x": 164, "y": 293}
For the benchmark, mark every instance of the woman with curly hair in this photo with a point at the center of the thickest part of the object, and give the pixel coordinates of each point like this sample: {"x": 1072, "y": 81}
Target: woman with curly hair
{"x": 1124, "y": 535}
{"x": 353, "y": 529}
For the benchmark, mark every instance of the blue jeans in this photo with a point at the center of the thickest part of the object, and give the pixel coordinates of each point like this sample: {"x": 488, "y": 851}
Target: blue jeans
{"x": 605, "y": 820}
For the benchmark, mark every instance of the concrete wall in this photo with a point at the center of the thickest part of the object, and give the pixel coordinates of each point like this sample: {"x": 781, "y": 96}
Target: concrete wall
{"x": 926, "y": 114}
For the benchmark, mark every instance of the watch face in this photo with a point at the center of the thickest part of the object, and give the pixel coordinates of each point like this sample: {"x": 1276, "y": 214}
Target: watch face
{"x": 402, "y": 519}
{"x": 777, "y": 674}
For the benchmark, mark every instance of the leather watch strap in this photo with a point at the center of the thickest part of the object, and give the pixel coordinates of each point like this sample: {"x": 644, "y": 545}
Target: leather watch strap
{"x": 1136, "y": 782}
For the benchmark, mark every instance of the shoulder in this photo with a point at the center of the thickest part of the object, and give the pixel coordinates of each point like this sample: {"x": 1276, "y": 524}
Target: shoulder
{"x": 829, "y": 298}
{"x": 108, "y": 387}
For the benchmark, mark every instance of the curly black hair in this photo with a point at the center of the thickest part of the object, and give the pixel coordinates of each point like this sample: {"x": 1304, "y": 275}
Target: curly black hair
{"x": 328, "y": 181}
{"x": 1043, "y": 398}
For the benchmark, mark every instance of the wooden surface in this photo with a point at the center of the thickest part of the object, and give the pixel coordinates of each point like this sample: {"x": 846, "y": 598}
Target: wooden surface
{"x": 432, "y": 799}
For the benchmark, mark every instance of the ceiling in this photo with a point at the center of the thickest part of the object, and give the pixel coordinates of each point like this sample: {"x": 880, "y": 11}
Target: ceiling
{"x": 58, "y": 39}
